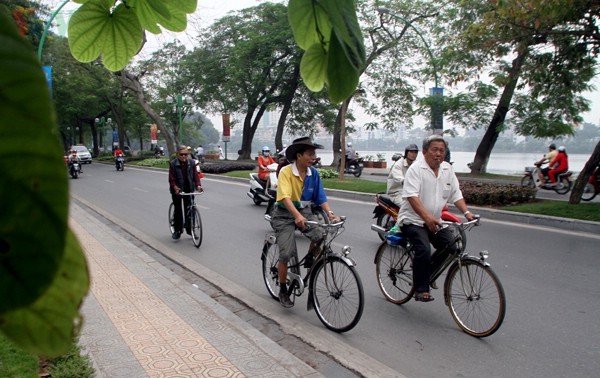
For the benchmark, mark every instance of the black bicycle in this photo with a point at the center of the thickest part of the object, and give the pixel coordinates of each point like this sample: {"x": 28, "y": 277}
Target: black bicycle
{"x": 191, "y": 220}
{"x": 472, "y": 291}
{"x": 334, "y": 288}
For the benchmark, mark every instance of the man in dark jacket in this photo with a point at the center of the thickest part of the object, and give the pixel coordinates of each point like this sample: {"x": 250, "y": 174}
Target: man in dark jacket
{"x": 183, "y": 177}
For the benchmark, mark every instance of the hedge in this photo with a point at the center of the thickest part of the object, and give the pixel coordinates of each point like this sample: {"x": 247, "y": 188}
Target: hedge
{"x": 495, "y": 194}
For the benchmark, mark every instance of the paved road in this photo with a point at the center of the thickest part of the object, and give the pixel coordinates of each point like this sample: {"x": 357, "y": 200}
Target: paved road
{"x": 550, "y": 277}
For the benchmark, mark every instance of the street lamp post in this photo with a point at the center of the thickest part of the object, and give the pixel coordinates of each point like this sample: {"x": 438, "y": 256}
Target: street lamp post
{"x": 437, "y": 93}
{"x": 180, "y": 102}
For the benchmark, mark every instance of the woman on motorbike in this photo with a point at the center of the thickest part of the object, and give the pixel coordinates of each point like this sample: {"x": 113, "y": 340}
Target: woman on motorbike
{"x": 264, "y": 160}
{"x": 559, "y": 165}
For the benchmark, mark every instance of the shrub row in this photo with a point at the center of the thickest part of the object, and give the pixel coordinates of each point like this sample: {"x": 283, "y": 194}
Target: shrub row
{"x": 227, "y": 166}
{"x": 495, "y": 194}
{"x": 328, "y": 173}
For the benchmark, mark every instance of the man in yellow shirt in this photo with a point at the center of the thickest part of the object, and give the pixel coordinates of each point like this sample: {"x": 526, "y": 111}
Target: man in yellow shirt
{"x": 298, "y": 186}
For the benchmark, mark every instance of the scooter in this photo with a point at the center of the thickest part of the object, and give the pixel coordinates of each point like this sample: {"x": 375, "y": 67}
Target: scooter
{"x": 258, "y": 191}
{"x": 386, "y": 213}
{"x": 592, "y": 188}
{"x": 531, "y": 179}
{"x": 120, "y": 162}
{"x": 353, "y": 167}
{"x": 74, "y": 169}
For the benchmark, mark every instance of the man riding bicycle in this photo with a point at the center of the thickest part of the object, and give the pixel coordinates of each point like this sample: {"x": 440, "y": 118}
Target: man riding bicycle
{"x": 299, "y": 185}
{"x": 183, "y": 177}
{"x": 428, "y": 185}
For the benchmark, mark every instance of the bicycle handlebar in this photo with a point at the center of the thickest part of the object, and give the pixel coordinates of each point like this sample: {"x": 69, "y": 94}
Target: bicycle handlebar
{"x": 474, "y": 222}
{"x": 338, "y": 224}
{"x": 190, "y": 194}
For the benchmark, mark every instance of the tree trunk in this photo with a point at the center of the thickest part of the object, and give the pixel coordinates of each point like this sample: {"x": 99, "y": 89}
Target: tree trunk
{"x": 584, "y": 176}
{"x": 287, "y": 105}
{"x": 494, "y": 129}
{"x": 339, "y": 148}
{"x": 249, "y": 131}
{"x": 132, "y": 83}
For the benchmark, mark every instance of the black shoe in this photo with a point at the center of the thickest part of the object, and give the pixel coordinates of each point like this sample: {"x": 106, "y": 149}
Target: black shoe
{"x": 176, "y": 235}
{"x": 284, "y": 299}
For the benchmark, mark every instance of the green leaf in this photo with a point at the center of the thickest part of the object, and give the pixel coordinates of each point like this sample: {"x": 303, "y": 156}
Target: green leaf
{"x": 342, "y": 76}
{"x": 309, "y": 23}
{"x": 93, "y": 30}
{"x": 86, "y": 30}
{"x": 313, "y": 67}
{"x": 34, "y": 191}
{"x": 124, "y": 38}
{"x": 172, "y": 15}
{"x": 47, "y": 326}
{"x": 342, "y": 15}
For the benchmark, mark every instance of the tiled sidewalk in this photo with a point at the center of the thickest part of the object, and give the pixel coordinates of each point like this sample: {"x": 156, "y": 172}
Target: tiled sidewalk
{"x": 142, "y": 320}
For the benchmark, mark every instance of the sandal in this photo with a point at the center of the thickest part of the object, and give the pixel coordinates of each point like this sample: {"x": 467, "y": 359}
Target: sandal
{"x": 423, "y": 297}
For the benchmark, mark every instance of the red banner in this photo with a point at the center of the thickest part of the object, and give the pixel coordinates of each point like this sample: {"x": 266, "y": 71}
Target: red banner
{"x": 153, "y": 134}
{"x": 226, "y": 125}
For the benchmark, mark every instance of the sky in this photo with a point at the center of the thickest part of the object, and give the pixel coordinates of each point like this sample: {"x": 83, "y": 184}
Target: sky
{"x": 210, "y": 10}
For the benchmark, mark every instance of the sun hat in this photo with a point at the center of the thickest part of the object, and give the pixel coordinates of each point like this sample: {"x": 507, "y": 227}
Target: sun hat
{"x": 298, "y": 145}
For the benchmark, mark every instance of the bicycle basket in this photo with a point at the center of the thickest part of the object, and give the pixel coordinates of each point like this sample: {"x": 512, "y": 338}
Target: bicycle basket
{"x": 529, "y": 169}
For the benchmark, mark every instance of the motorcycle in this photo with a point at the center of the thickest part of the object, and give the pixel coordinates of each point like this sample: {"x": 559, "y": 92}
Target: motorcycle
{"x": 74, "y": 169}
{"x": 531, "y": 179}
{"x": 592, "y": 188}
{"x": 120, "y": 162}
{"x": 353, "y": 167}
{"x": 258, "y": 191}
{"x": 386, "y": 213}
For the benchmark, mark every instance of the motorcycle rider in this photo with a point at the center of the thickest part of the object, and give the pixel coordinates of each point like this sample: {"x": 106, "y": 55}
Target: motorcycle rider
{"x": 116, "y": 153}
{"x": 350, "y": 154}
{"x": 548, "y": 158}
{"x": 558, "y": 165}
{"x": 264, "y": 160}
{"x": 73, "y": 158}
{"x": 395, "y": 180}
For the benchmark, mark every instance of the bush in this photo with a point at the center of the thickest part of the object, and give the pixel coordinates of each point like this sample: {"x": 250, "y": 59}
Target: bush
{"x": 223, "y": 167}
{"x": 154, "y": 162}
{"x": 494, "y": 194}
{"x": 328, "y": 173}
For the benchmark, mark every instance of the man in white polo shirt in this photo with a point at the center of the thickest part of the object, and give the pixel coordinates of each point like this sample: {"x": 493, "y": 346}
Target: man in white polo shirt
{"x": 429, "y": 184}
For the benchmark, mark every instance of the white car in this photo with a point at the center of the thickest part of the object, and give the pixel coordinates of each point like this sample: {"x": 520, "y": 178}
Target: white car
{"x": 84, "y": 154}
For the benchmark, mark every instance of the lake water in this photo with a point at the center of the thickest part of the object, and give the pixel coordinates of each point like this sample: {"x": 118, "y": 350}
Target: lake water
{"x": 508, "y": 163}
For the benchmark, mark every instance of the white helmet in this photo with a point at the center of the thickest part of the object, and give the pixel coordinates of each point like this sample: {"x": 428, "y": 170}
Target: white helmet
{"x": 562, "y": 148}
{"x": 349, "y": 144}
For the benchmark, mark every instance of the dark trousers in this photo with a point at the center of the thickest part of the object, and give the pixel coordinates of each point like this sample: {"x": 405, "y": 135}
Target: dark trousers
{"x": 177, "y": 200}
{"x": 420, "y": 237}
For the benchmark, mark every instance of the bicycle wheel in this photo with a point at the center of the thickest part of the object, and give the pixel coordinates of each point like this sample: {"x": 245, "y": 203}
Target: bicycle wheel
{"x": 172, "y": 218}
{"x": 475, "y": 298}
{"x": 270, "y": 258}
{"x": 196, "y": 227}
{"x": 393, "y": 266}
{"x": 527, "y": 182}
{"x": 337, "y": 294}
{"x": 386, "y": 221}
{"x": 589, "y": 192}
{"x": 563, "y": 186}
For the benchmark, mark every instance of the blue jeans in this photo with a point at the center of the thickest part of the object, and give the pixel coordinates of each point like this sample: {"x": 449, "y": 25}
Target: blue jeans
{"x": 420, "y": 237}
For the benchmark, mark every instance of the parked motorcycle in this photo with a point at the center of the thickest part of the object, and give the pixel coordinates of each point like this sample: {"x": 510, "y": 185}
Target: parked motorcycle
{"x": 592, "y": 188}
{"x": 353, "y": 167}
{"x": 74, "y": 169}
{"x": 386, "y": 213}
{"x": 120, "y": 162}
{"x": 531, "y": 179}
{"x": 258, "y": 192}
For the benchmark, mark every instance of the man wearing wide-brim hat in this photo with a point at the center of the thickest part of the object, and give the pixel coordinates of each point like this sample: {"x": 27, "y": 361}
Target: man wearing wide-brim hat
{"x": 298, "y": 185}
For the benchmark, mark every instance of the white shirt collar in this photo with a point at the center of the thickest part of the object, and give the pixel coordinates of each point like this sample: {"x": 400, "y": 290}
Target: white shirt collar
{"x": 297, "y": 173}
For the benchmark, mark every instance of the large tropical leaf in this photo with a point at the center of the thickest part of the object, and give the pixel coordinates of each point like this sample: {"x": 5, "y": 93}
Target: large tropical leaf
{"x": 313, "y": 67}
{"x": 309, "y": 22}
{"x": 47, "y": 326}
{"x": 342, "y": 77}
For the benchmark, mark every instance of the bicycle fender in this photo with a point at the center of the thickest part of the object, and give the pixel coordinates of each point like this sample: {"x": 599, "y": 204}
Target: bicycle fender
{"x": 446, "y": 283}
{"x": 270, "y": 239}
